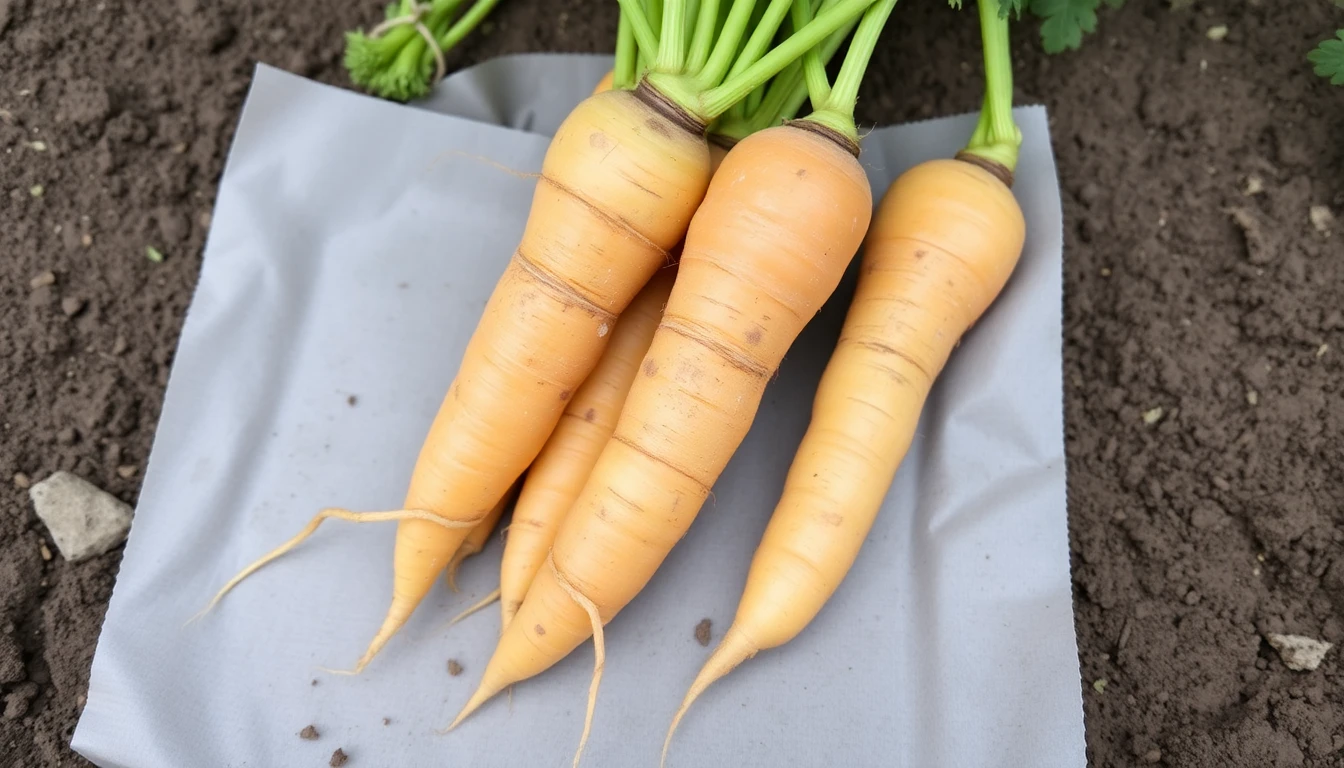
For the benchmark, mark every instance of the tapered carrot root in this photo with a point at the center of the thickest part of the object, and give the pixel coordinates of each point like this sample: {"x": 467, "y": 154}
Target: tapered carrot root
{"x": 619, "y": 184}
{"x": 783, "y": 216}
{"x": 560, "y": 470}
{"x": 945, "y": 239}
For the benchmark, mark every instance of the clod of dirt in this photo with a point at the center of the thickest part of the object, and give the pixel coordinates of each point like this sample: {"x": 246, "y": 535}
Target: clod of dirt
{"x": 454, "y": 668}
{"x": 309, "y": 733}
{"x": 352, "y": 400}
{"x": 84, "y": 520}
{"x": 702, "y": 632}
{"x": 338, "y": 758}
{"x": 1299, "y": 653}
{"x": 1258, "y": 248}
{"x": 387, "y": 721}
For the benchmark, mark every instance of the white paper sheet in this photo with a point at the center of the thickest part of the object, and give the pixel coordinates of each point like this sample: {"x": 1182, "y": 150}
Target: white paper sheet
{"x": 353, "y": 247}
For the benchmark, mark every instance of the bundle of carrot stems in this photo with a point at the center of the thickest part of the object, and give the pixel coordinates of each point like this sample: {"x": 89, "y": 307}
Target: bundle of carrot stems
{"x": 689, "y": 219}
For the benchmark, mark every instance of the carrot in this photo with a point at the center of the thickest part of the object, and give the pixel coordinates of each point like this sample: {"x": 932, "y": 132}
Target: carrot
{"x": 476, "y": 538}
{"x": 605, "y": 84}
{"x": 782, "y": 218}
{"x": 944, "y": 241}
{"x": 562, "y": 467}
{"x": 619, "y": 183}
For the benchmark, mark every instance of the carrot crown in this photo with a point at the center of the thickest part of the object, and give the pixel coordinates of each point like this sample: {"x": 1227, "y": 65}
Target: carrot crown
{"x": 996, "y": 138}
{"x": 702, "y": 58}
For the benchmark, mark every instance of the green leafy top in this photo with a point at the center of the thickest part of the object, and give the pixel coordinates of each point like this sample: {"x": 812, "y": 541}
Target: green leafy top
{"x": 1329, "y": 56}
{"x": 1064, "y": 22}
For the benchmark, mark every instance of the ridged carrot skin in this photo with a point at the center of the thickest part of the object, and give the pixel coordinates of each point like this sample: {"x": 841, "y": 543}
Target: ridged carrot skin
{"x": 620, "y": 181}
{"x": 561, "y": 469}
{"x": 782, "y": 218}
{"x": 944, "y": 241}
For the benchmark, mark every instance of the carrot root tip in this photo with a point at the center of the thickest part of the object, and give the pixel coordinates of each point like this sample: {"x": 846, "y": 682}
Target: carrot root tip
{"x": 599, "y": 649}
{"x": 483, "y": 602}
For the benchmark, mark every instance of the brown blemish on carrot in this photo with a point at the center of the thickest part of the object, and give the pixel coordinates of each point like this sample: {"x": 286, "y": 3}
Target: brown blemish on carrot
{"x": 589, "y": 415}
{"x": 597, "y": 140}
{"x": 540, "y": 630}
{"x": 565, "y": 395}
{"x": 754, "y": 336}
{"x": 650, "y": 368}
{"x": 802, "y": 173}
{"x": 832, "y": 518}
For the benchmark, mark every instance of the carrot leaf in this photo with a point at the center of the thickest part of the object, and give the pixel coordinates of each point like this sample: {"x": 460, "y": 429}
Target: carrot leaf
{"x": 1328, "y": 57}
{"x": 1064, "y": 22}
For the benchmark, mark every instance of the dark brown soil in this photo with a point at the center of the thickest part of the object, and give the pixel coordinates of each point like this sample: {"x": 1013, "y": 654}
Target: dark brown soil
{"x": 702, "y": 632}
{"x": 454, "y": 668}
{"x": 1193, "y": 536}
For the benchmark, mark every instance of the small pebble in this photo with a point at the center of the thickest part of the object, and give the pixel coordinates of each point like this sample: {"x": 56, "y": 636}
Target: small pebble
{"x": 1321, "y": 218}
{"x": 1252, "y": 397}
{"x": 1152, "y": 416}
{"x": 22, "y": 481}
{"x": 86, "y": 240}
{"x": 1217, "y": 33}
{"x": 72, "y": 305}
{"x": 36, "y": 190}
{"x": 1192, "y": 597}
{"x": 1100, "y": 685}
{"x": 119, "y": 345}
{"x": 67, "y": 436}
{"x": 309, "y": 733}
{"x": 1152, "y": 756}
{"x": 1163, "y": 697}
{"x": 338, "y": 758}
{"x": 454, "y": 668}
{"x": 1321, "y": 350}
{"x": 204, "y": 218}
{"x": 127, "y": 471}
{"x": 38, "y": 146}
{"x": 1254, "y": 185}
{"x": 43, "y": 280}
{"x": 179, "y": 148}
{"x": 1299, "y": 653}
{"x": 46, "y": 553}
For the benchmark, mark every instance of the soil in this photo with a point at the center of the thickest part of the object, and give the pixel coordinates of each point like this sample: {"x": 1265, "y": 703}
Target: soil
{"x": 702, "y": 634}
{"x": 1204, "y": 325}
{"x": 454, "y": 667}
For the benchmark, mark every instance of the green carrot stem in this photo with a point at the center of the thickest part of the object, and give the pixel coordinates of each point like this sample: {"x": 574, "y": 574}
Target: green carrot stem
{"x": 469, "y": 21}
{"x": 845, "y": 94}
{"x": 818, "y": 86}
{"x": 672, "y": 39}
{"x": 761, "y": 36}
{"x": 623, "y": 73}
{"x": 716, "y": 100}
{"x": 639, "y": 24}
{"x": 703, "y": 38}
{"x": 997, "y": 137}
{"x": 726, "y": 46}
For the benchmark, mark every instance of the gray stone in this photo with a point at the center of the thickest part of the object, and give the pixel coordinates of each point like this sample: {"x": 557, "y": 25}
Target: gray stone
{"x": 1300, "y": 654}
{"x": 84, "y": 520}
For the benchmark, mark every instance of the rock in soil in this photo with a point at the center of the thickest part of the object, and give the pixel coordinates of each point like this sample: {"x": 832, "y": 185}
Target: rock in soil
{"x": 84, "y": 520}
{"x": 1300, "y": 654}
